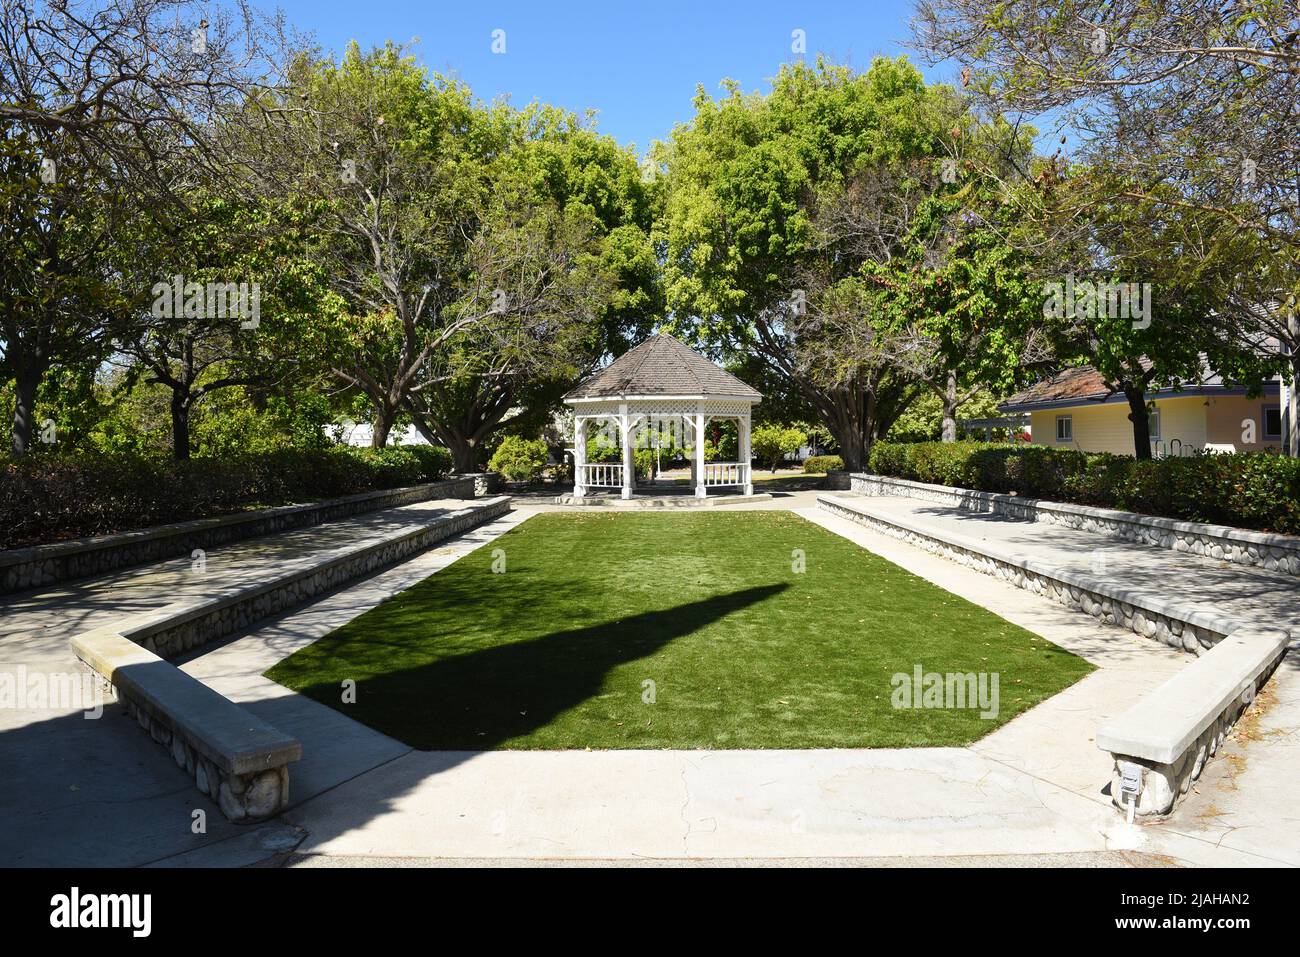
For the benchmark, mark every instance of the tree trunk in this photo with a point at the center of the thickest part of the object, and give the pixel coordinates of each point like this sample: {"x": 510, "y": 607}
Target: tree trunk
{"x": 464, "y": 453}
{"x": 26, "y": 385}
{"x": 850, "y": 427}
{"x": 180, "y": 426}
{"x": 383, "y": 424}
{"x": 465, "y": 450}
{"x": 949, "y": 398}
{"x": 854, "y": 415}
{"x": 1137, "y": 414}
{"x": 854, "y": 445}
{"x": 1291, "y": 428}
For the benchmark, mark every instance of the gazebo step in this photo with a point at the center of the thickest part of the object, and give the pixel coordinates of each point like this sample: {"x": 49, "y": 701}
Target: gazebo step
{"x": 667, "y": 501}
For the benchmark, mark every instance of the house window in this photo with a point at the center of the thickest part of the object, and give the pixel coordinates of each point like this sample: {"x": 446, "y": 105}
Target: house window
{"x": 1272, "y": 422}
{"x": 1065, "y": 428}
{"x": 1153, "y": 423}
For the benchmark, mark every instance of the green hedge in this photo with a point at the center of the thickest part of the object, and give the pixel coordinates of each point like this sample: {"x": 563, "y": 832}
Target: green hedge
{"x": 50, "y": 498}
{"x": 1259, "y": 490}
{"x": 822, "y": 463}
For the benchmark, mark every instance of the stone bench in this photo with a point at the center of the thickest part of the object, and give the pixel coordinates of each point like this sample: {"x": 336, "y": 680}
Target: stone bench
{"x": 237, "y": 759}
{"x": 1162, "y": 743}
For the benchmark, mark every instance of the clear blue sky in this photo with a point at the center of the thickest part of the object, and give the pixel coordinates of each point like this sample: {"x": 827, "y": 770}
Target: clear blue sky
{"x": 636, "y": 63}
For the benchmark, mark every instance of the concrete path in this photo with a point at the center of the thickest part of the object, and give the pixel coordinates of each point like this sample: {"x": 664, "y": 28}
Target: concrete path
{"x": 1055, "y": 740}
{"x": 29, "y": 618}
{"x": 1034, "y": 787}
{"x": 81, "y": 792}
{"x": 335, "y": 748}
{"x": 1217, "y": 588}
{"x": 1246, "y": 799}
{"x": 1028, "y": 794}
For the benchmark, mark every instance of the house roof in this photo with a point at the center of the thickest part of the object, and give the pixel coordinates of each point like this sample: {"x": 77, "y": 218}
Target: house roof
{"x": 662, "y": 366}
{"x": 1080, "y": 385}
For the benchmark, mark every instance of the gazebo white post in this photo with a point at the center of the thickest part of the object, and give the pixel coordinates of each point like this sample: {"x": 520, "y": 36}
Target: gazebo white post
{"x": 688, "y": 422}
{"x": 628, "y": 467}
{"x": 579, "y": 453}
{"x": 700, "y": 491}
{"x": 745, "y": 454}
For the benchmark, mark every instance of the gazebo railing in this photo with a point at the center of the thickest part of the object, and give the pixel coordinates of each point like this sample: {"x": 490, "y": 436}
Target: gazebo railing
{"x": 726, "y": 473}
{"x": 600, "y": 475}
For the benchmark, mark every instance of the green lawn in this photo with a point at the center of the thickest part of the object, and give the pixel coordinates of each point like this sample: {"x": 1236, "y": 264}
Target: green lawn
{"x": 743, "y": 651}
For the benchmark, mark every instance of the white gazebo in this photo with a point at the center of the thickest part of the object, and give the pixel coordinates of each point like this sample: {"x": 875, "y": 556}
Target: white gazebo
{"x": 660, "y": 385}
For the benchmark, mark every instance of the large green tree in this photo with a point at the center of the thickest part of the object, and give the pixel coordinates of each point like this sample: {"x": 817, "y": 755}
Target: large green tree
{"x": 58, "y": 300}
{"x": 951, "y": 300}
{"x": 588, "y": 288}
{"x": 399, "y": 160}
{"x": 788, "y": 214}
{"x": 227, "y": 296}
{"x": 1137, "y": 295}
{"x": 1187, "y": 112}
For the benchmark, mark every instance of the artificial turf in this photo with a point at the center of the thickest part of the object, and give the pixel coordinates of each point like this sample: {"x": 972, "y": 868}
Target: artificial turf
{"x": 671, "y": 631}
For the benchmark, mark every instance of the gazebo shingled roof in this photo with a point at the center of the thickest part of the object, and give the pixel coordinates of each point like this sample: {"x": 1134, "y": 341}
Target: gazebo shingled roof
{"x": 661, "y": 366}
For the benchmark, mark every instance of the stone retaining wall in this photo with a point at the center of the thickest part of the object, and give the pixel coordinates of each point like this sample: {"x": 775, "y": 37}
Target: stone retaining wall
{"x": 1163, "y": 785}
{"x": 485, "y": 483}
{"x": 246, "y": 788}
{"x": 1075, "y": 592}
{"x": 1238, "y": 545}
{"x": 838, "y": 480}
{"x": 40, "y": 565}
{"x": 1168, "y": 736}
{"x": 175, "y": 630}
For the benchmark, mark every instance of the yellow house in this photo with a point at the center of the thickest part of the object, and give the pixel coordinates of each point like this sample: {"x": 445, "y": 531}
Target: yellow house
{"x": 1073, "y": 410}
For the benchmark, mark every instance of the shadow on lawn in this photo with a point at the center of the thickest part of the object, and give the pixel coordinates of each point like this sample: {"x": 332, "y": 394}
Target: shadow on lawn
{"x": 476, "y": 701}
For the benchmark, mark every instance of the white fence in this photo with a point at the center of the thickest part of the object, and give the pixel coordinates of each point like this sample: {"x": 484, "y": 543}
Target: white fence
{"x": 600, "y": 476}
{"x": 726, "y": 473}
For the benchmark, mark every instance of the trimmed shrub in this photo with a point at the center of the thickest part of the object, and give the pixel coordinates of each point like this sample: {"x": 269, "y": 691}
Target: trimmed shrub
{"x": 520, "y": 459}
{"x": 643, "y": 463}
{"x": 822, "y": 463}
{"x": 1259, "y": 490}
{"x": 393, "y": 467}
{"x": 46, "y": 498}
{"x": 435, "y": 461}
{"x": 771, "y": 443}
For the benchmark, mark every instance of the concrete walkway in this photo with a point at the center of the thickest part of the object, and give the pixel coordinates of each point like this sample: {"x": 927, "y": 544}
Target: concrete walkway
{"x": 1215, "y": 588}
{"x": 79, "y": 792}
{"x": 1235, "y": 815}
{"x": 1031, "y": 792}
{"x": 1033, "y": 788}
